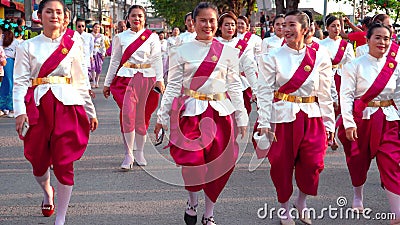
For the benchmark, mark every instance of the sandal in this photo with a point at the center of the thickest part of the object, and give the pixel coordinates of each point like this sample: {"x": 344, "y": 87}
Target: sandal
{"x": 210, "y": 219}
{"x": 190, "y": 220}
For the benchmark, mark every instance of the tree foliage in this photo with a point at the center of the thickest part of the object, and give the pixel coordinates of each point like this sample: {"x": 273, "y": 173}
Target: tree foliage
{"x": 174, "y": 10}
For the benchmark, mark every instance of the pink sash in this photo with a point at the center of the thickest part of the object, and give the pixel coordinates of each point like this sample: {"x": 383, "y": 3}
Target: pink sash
{"x": 376, "y": 88}
{"x": 340, "y": 52}
{"x": 246, "y": 37}
{"x": 283, "y": 42}
{"x": 133, "y": 47}
{"x": 315, "y": 46}
{"x": 394, "y": 48}
{"x": 202, "y": 74}
{"x": 301, "y": 74}
{"x": 48, "y": 66}
{"x": 241, "y": 45}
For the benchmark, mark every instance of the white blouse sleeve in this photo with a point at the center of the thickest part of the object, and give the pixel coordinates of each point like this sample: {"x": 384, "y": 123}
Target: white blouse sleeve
{"x": 21, "y": 78}
{"x": 347, "y": 93}
{"x": 155, "y": 57}
{"x": 249, "y": 66}
{"x": 266, "y": 84}
{"x": 116, "y": 57}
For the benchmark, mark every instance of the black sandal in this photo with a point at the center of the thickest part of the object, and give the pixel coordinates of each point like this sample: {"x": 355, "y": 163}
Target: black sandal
{"x": 205, "y": 220}
{"x": 190, "y": 220}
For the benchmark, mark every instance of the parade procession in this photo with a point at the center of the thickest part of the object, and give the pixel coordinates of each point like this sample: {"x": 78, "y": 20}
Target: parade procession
{"x": 268, "y": 114}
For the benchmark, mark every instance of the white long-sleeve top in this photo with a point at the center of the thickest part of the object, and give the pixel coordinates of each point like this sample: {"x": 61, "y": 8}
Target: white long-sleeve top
{"x": 99, "y": 44}
{"x": 173, "y": 40}
{"x": 88, "y": 46}
{"x": 31, "y": 54}
{"x": 164, "y": 48}
{"x": 333, "y": 47}
{"x": 187, "y": 37}
{"x": 225, "y": 78}
{"x": 11, "y": 49}
{"x": 253, "y": 43}
{"x": 270, "y": 43}
{"x": 247, "y": 64}
{"x": 358, "y": 77}
{"x": 276, "y": 69}
{"x": 148, "y": 53}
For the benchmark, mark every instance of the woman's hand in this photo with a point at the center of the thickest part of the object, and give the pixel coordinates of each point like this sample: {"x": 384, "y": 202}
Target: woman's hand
{"x": 106, "y": 91}
{"x": 351, "y": 133}
{"x": 160, "y": 86}
{"x": 262, "y": 131}
{"x": 158, "y": 127}
{"x": 19, "y": 122}
{"x": 242, "y": 131}
{"x": 253, "y": 98}
{"x": 94, "y": 123}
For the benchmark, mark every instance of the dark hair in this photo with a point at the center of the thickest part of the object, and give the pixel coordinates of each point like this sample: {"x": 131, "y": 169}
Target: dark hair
{"x": 18, "y": 31}
{"x": 221, "y": 21}
{"x": 20, "y": 21}
{"x": 244, "y": 19}
{"x": 277, "y": 17}
{"x": 43, "y": 3}
{"x": 187, "y": 15}
{"x": 329, "y": 20}
{"x": 80, "y": 20}
{"x": 366, "y": 21}
{"x": 203, "y": 5}
{"x": 379, "y": 18}
{"x": 309, "y": 14}
{"x": 128, "y": 25}
{"x": 8, "y": 38}
{"x": 375, "y": 26}
{"x": 303, "y": 19}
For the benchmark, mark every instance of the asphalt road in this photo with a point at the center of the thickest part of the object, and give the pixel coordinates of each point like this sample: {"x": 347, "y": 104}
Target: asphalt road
{"x": 153, "y": 195}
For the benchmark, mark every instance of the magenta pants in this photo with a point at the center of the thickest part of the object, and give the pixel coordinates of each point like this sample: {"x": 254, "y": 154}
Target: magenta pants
{"x": 60, "y": 137}
{"x": 137, "y": 101}
{"x": 378, "y": 138}
{"x": 301, "y": 146}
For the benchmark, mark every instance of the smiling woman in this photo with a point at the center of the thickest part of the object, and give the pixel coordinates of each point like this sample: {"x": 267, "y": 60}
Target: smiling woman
{"x": 48, "y": 81}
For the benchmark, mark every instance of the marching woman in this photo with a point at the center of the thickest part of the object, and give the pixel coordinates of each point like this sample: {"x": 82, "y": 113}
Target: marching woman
{"x": 340, "y": 52}
{"x": 370, "y": 97}
{"x": 253, "y": 41}
{"x": 294, "y": 95}
{"x": 51, "y": 95}
{"x": 277, "y": 40}
{"x": 198, "y": 85}
{"x": 99, "y": 52}
{"x": 135, "y": 69}
{"x": 226, "y": 34}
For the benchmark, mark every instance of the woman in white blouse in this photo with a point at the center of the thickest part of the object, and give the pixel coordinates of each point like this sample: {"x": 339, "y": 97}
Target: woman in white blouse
{"x": 131, "y": 82}
{"x": 294, "y": 96}
{"x": 200, "y": 82}
{"x": 226, "y": 33}
{"x": 51, "y": 95}
{"x": 276, "y": 40}
{"x": 370, "y": 98}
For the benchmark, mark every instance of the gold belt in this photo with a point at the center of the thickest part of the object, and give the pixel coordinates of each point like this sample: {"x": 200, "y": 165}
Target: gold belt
{"x": 51, "y": 80}
{"x": 136, "y": 66}
{"x": 296, "y": 99}
{"x": 205, "y": 97}
{"x": 384, "y": 103}
{"x": 337, "y": 66}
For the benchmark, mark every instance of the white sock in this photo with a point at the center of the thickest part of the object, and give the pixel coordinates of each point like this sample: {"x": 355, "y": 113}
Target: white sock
{"x": 63, "y": 196}
{"x": 44, "y": 182}
{"x": 209, "y": 207}
{"x": 192, "y": 202}
{"x": 394, "y": 201}
{"x": 301, "y": 200}
{"x": 140, "y": 140}
{"x": 97, "y": 78}
{"x": 286, "y": 215}
{"x": 358, "y": 196}
{"x": 128, "y": 139}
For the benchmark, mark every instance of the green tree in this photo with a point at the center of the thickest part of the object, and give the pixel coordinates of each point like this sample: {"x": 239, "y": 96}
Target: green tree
{"x": 174, "y": 10}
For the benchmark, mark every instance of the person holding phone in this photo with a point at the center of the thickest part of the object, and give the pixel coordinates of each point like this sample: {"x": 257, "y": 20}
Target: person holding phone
{"x": 135, "y": 70}
{"x": 51, "y": 95}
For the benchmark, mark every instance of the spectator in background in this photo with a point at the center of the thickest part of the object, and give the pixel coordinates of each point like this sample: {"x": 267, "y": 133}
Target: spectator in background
{"x": 190, "y": 33}
{"x": 99, "y": 52}
{"x": 174, "y": 39}
{"x": 164, "y": 52}
{"x": 359, "y": 34}
{"x": 121, "y": 26}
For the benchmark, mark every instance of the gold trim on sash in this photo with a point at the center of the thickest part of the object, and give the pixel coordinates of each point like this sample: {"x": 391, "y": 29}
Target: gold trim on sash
{"x": 383, "y": 103}
{"x": 205, "y": 97}
{"x": 136, "y": 66}
{"x": 296, "y": 99}
{"x": 51, "y": 80}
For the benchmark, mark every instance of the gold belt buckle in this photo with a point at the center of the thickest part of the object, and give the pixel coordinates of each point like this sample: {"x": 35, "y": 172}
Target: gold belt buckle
{"x": 298, "y": 99}
{"x": 45, "y": 80}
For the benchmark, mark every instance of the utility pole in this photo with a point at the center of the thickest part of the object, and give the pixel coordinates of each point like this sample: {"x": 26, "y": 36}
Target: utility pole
{"x": 325, "y": 11}
{"x": 99, "y": 10}
{"x": 114, "y": 17}
{"x": 28, "y": 12}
